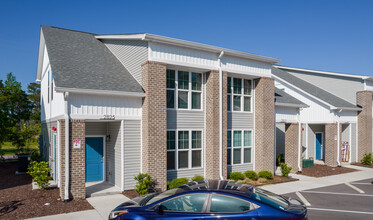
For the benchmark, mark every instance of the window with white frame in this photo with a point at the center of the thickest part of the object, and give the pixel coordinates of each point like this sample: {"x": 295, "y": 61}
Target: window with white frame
{"x": 239, "y": 97}
{"x": 184, "y": 90}
{"x": 184, "y": 149}
{"x": 239, "y": 144}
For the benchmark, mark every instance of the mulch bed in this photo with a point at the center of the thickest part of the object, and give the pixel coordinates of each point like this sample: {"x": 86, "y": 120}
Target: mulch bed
{"x": 276, "y": 179}
{"x": 130, "y": 193}
{"x": 323, "y": 170}
{"x": 19, "y": 201}
{"x": 363, "y": 165}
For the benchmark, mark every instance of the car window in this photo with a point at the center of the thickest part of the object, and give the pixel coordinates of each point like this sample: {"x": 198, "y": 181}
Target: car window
{"x": 164, "y": 194}
{"x": 271, "y": 199}
{"x": 227, "y": 204}
{"x": 185, "y": 203}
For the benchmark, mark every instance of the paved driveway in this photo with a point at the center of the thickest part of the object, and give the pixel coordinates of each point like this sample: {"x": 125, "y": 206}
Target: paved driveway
{"x": 351, "y": 200}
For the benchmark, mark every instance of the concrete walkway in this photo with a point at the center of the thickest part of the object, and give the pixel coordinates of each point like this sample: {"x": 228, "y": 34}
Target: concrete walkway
{"x": 307, "y": 183}
{"x": 102, "y": 206}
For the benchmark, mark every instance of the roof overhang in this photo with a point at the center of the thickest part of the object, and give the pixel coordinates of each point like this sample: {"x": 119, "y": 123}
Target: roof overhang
{"x": 99, "y": 92}
{"x": 347, "y": 109}
{"x": 291, "y": 105}
{"x": 189, "y": 44}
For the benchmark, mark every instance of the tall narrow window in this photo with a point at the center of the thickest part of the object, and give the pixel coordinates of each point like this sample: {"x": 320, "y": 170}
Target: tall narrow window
{"x": 237, "y": 85}
{"x": 196, "y": 90}
{"x": 247, "y": 146}
{"x": 229, "y": 147}
{"x": 196, "y": 148}
{"x": 247, "y": 95}
{"x": 48, "y": 86}
{"x": 183, "y": 86}
{"x": 170, "y": 88}
{"x": 171, "y": 149}
{"x": 237, "y": 145}
{"x": 51, "y": 85}
{"x": 229, "y": 91}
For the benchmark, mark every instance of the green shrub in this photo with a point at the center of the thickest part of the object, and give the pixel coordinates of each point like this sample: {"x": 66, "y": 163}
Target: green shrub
{"x": 144, "y": 182}
{"x": 285, "y": 170}
{"x": 39, "y": 172}
{"x": 177, "y": 182}
{"x": 236, "y": 176}
{"x": 35, "y": 156}
{"x": 265, "y": 174}
{"x": 197, "y": 178}
{"x": 251, "y": 175}
{"x": 280, "y": 159}
{"x": 367, "y": 159}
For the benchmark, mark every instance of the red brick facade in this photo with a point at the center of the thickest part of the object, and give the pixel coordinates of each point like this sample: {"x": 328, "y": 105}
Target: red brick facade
{"x": 292, "y": 146}
{"x": 154, "y": 122}
{"x": 212, "y": 125}
{"x": 264, "y": 124}
{"x": 364, "y": 123}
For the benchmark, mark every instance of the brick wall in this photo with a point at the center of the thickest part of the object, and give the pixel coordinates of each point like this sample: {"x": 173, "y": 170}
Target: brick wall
{"x": 291, "y": 146}
{"x": 331, "y": 143}
{"x": 77, "y": 188}
{"x": 264, "y": 124}
{"x": 364, "y": 122}
{"x": 212, "y": 125}
{"x": 154, "y": 122}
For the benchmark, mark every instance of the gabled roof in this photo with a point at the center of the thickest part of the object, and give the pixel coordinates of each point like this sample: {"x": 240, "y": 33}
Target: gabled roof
{"x": 334, "y": 101}
{"x": 284, "y": 99}
{"x": 79, "y": 60}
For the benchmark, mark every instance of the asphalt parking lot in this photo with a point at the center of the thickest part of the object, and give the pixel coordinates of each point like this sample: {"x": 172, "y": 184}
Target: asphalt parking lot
{"x": 353, "y": 200}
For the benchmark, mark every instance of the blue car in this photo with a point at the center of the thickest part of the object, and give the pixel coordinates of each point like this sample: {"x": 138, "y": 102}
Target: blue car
{"x": 211, "y": 199}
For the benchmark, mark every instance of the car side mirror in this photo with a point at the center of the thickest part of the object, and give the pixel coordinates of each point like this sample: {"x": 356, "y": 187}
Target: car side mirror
{"x": 159, "y": 209}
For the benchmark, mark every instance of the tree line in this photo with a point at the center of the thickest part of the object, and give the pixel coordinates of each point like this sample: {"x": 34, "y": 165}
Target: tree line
{"x": 19, "y": 114}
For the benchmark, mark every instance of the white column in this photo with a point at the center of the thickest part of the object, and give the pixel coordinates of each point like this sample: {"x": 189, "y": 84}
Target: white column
{"x": 122, "y": 154}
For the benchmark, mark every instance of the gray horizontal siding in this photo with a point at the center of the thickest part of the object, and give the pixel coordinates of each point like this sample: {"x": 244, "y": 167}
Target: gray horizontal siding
{"x": 185, "y": 119}
{"x": 239, "y": 168}
{"x": 95, "y": 128}
{"x": 132, "y": 152}
{"x": 188, "y": 173}
{"x": 113, "y": 149}
{"x": 240, "y": 120}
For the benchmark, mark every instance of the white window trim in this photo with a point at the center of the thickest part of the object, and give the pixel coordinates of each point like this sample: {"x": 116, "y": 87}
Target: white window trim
{"x": 190, "y": 149}
{"x": 189, "y": 90}
{"x": 242, "y": 146}
{"x": 242, "y": 95}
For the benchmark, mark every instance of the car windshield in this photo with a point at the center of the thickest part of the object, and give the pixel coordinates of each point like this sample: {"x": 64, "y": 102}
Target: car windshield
{"x": 165, "y": 194}
{"x": 271, "y": 199}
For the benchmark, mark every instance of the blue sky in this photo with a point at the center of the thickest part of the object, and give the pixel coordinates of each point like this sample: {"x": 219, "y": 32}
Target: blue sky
{"x": 333, "y": 35}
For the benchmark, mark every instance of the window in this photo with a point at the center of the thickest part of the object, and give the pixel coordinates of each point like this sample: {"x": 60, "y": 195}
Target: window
{"x": 51, "y": 86}
{"x": 239, "y": 144}
{"x": 187, "y": 87}
{"x": 227, "y": 204}
{"x": 186, "y": 203}
{"x": 185, "y": 150}
{"x": 48, "y": 86}
{"x": 240, "y": 100}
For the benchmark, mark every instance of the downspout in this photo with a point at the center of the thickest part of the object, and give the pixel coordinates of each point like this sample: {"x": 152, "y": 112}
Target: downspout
{"x": 299, "y": 141}
{"x": 338, "y": 137}
{"x": 220, "y": 116}
{"x": 67, "y": 162}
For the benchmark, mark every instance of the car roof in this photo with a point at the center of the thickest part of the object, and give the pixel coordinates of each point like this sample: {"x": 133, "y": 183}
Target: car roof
{"x": 217, "y": 185}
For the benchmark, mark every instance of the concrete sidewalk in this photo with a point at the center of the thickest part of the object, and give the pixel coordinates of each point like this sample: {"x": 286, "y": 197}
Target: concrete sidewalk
{"x": 307, "y": 183}
{"x": 102, "y": 206}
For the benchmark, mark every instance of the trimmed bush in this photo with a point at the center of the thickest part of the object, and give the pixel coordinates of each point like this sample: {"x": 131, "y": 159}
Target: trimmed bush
{"x": 39, "y": 172}
{"x": 367, "y": 159}
{"x": 285, "y": 170}
{"x": 144, "y": 183}
{"x": 251, "y": 175}
{"x": 265, "y": 174}
{"x": 198, "y": 178}
{"x": 236, "y": 176}
{"x": 177, "y": 182}
{"x": 280, "y": 159}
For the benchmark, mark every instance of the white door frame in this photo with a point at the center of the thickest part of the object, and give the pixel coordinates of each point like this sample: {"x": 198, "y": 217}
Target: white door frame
{"x": 104, "y": 153}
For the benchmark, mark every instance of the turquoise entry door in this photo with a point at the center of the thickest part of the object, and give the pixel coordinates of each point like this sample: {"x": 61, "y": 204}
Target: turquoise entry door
{"x": 94, "y": 149}
{"x": 318, "y": 146}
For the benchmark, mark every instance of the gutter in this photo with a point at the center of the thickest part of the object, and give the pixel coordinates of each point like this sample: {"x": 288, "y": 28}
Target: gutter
{"x": 67, "y": 146}
{"x": 220, "y": 116}
{"x": 99, "y": 92}
{"x": 291, "y": 105}
{"x": 299, "y": 141}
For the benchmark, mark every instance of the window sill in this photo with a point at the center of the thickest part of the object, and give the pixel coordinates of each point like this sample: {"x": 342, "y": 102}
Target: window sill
{"x": 184, "y": 169}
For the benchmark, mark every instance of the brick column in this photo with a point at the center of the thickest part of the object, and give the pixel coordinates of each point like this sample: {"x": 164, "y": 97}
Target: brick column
{"x": 331, "y": 144}
{"x": 77, "y": 188}
{"x": 212, "y": 125}
{"x": 264, "y": 124}
{"x": 292, "y": 146}
{"x": 364, "y": 122}
{"x": 154, "y": 122}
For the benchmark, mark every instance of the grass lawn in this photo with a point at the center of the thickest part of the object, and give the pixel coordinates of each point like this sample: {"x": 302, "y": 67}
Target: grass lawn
{"x": 11, "y": 150}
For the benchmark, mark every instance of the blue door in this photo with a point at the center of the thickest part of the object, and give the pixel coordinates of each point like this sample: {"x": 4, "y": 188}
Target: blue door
{"x": 318, "y": 146}
{"x": 94, "y": 148}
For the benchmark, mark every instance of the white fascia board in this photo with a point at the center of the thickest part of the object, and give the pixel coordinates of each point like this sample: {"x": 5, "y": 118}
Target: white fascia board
{"x": 290, "y": 105}
{"x": 322, "y": 101}
{"x": 347, "y": 109}
{"x": 324, "y": 72}
{"x": 100, "y": 92}
{"x": 189, "y": 44}
{"x": 39, "y": 68}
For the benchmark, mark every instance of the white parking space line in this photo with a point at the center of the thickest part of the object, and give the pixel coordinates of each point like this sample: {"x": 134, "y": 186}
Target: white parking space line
{"x": 371, "y": 184}
{"x": 304, "y": 200}
{"x": 336, "y": 210}
{"x": 354, "y": 188}
{"x": 334, "y": 193}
